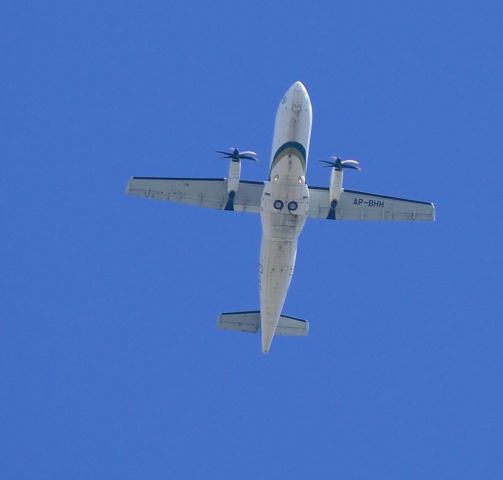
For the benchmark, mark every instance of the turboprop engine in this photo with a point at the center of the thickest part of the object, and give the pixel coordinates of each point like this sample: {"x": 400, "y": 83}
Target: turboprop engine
{"x": 338, "y": 165}
{"x": 235, "y": 157}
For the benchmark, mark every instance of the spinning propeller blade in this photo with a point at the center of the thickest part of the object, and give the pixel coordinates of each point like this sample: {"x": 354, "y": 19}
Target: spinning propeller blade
{"x": 340, "y": 164}
{"x": 235, "y": 155}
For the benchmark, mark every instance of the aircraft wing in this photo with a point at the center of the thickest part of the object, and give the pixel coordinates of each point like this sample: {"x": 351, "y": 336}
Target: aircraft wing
{"x": 201, "y": 192}
{"x": 354, "y": 205}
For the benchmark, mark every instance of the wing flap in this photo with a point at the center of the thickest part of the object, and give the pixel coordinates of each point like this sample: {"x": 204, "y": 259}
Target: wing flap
{"x": 354, "y": 205}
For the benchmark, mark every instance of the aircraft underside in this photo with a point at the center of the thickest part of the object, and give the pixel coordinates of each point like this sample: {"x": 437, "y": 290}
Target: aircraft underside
{"x": 284, "y": 203}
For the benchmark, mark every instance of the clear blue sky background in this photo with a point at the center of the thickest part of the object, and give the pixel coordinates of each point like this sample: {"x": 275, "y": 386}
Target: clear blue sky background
{"x": 110, "y": 363}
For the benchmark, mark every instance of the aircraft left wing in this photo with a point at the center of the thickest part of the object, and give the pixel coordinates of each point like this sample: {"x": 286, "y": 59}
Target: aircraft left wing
{"x": 354, "y": 205}
{"x": 200, "y": 192}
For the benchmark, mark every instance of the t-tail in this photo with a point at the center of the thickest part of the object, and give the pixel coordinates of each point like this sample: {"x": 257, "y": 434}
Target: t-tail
{"x": 249, "y": 322}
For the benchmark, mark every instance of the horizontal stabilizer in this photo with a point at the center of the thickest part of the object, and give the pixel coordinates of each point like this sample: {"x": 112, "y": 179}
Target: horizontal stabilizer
{"x": 292, "y": 326}
{"x": 240, "y": 321}
{"x": 250, "y": 322}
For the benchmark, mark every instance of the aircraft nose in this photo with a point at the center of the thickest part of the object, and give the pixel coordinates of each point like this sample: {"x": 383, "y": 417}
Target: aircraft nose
{"x": 298, "y": 93}
{"x": 297, "y": 89}
{"x": 299, "y": 86}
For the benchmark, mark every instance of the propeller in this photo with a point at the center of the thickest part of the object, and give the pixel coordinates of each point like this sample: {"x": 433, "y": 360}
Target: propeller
{"x": 235, "y": 155}
{"x": 340, "y": 164}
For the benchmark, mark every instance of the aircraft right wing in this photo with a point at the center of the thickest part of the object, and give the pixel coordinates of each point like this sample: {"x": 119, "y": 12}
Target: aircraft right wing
{"x": 201, "y": 192}
{"x": 354, "y": 205}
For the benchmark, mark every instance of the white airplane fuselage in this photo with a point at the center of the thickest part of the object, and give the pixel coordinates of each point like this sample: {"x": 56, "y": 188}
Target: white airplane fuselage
{"x": 284, "y": 205}
{"x": 284, "y": 202}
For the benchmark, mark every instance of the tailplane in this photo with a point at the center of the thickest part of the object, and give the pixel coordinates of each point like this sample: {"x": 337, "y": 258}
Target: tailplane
{"x": 249, "y": 322}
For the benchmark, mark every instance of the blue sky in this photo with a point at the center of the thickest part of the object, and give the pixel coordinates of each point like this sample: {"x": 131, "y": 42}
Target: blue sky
{"x": 110, "y": 362}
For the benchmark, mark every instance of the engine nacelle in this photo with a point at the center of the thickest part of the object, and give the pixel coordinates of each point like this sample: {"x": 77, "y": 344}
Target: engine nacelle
{"x": 234, "y": 176}
{"x": 235, "y": 157}
{"x": 338, "y": 165}
{"x": 232, "y": 183}
{"x": 335, "y": 186}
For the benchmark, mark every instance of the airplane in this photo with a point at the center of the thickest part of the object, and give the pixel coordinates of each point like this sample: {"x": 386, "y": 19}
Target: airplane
{"x": 284, "y": 202}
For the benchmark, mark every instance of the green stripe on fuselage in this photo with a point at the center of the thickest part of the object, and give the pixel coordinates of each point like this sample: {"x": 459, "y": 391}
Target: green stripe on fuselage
{"x": 290, "y": 148}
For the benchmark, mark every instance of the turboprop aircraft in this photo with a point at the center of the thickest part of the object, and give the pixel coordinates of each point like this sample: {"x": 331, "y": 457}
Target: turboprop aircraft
{"x": 284, "y": 202}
